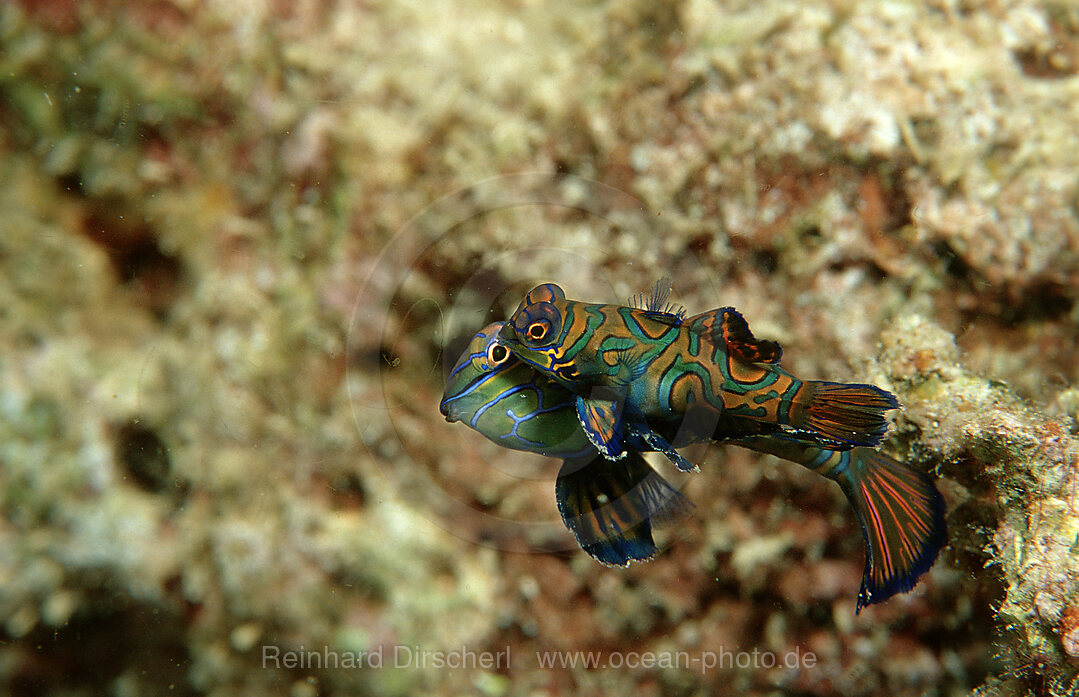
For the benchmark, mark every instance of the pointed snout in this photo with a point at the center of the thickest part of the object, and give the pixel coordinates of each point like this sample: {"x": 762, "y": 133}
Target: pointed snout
{"x": 447, "y": 410}
{"x": 508, "y": 333}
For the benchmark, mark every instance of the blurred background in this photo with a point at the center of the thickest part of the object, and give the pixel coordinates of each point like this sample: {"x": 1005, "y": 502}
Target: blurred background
{"x": 242, "y": 242}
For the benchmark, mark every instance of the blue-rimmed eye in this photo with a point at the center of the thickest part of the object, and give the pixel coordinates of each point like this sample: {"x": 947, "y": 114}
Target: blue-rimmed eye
{"x": 538, "y": 330}
{"x": 481, "y": 354}
{"x": 538, "y": 324}
{"x": 497, "y": 354}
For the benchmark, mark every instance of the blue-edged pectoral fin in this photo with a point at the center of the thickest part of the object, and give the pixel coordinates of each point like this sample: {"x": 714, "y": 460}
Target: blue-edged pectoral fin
{"x": 660, "y": 445}
{"x": 601, "y": 420}
{"x": 610, "y": 506}
{"x": 639, "y": 435}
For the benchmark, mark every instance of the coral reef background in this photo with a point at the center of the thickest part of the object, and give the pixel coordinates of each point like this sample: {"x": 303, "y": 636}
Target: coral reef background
{"x": 241, "y": 241}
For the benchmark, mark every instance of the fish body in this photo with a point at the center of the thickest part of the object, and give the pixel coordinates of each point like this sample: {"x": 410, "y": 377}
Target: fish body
{"x": 638, "y": 364}
{"x": 532, "y": 403}
{"x": 611, "y": 505}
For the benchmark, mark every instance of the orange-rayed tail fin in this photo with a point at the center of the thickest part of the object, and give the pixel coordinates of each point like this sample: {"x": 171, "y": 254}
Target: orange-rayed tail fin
{"x": 901, "y": 514}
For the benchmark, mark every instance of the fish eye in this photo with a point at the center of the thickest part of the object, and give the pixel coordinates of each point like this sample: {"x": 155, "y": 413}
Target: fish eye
{"x": 537, "y": 330}
{"x": 538, "y": 324}
{"x": 497, "y": 354}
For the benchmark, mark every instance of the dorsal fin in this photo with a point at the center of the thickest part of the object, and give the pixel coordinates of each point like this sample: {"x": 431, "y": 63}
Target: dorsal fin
{"x": 661, "y": 290}
{"x": 727, "y": 326}
{"x": 656, "y": 301}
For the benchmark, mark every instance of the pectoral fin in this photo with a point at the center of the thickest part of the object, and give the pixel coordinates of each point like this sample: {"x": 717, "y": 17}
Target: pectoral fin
{"x": 611, "y": 506}
{"x": 601, "y": 420}
{"x": 661, "y": 445}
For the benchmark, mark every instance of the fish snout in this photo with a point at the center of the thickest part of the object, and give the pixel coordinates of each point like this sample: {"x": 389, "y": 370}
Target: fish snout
{"x": 507, "y": 333}
{"x": 448, "y": 411}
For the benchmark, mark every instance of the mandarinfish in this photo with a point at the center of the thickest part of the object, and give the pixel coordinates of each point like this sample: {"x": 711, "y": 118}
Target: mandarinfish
{"x": 626, "y": 365}
{"x": 610, "y": 505}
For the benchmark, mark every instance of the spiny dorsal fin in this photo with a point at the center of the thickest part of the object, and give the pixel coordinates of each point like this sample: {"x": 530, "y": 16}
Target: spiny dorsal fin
{"x": 656, "y": 301}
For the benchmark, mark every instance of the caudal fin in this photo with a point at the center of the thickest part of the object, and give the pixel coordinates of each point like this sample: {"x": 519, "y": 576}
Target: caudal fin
{"x": 847, "y": 413}
{"x": 901, "y": 514}
{"x": 611, "y": 505}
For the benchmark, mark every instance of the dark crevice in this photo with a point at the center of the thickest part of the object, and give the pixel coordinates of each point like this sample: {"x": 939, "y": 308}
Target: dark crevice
{"x": 144, "y": 457}
{"x": 952, "y": 264}
{"x": 348, "y": 490}
{"x": 154, "y": 276}
{"x": 1061, "y": 61}
{"x": 699, "y": 244}
{"x": 71, "y": 183}
{"x": 765, "y": 260}
{"x": 1044, "y": 301}
{"x": 112, "y": 639}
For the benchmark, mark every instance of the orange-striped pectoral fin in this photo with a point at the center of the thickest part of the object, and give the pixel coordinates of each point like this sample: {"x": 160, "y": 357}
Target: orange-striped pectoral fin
{"x": 852, "y": 414}
{"x": 901, "y": 514}
{"x": 727, "y": 327}
{"x": 610, "y": 506}
{"x": 601, "y": 419}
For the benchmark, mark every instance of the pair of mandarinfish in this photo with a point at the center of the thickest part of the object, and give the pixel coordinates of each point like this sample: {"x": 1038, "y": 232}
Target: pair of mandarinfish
{"x": 597, "y": 385}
